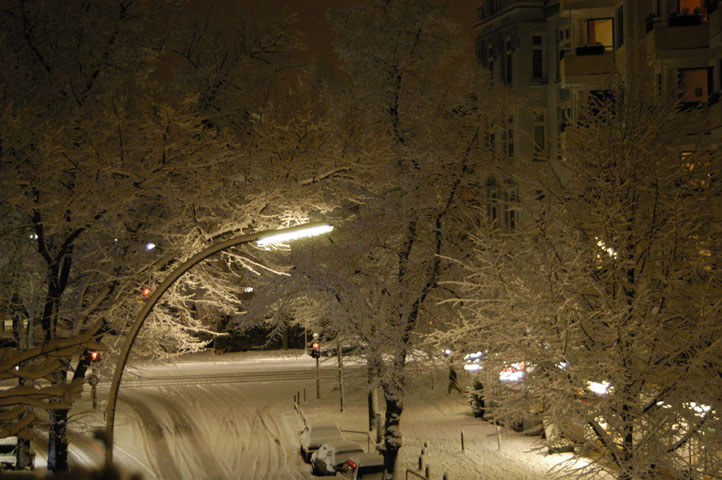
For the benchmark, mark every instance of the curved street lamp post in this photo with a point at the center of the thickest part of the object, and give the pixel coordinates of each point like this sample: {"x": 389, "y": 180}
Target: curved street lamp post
{"x": 265, "y": 237}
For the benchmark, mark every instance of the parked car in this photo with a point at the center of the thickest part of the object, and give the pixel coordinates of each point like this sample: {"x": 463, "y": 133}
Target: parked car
{"x": 362, "y": 466}
{"x": 330, "y": 456}
{"x": 313, "y": 436}
{"x": 8, "y": 454}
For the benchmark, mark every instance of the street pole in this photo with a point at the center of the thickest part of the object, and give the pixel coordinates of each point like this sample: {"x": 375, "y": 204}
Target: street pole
{"x": 318, "y": 380}
{"x": 93, "y": 387}
{"x": 155, "y": 296}
{"x": 340, "y": 372}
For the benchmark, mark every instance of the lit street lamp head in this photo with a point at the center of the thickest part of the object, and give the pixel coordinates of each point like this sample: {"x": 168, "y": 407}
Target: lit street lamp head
{"x": 310, "y": 231}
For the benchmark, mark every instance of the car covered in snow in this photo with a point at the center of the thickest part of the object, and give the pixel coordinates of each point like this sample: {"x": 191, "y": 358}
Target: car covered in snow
{"x": 7, "y": 453}
{"x": 327, "y": 459}
{"x": 313, "y": 436}
{"x": 362, "y": 466}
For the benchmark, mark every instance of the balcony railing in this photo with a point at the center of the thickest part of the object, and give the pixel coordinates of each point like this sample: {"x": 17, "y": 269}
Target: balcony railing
{"x": 566, "y": 6}
{"x": 489, "y": 8}
{"x": 586, "y": 61}
{"x": 677, "y": 32}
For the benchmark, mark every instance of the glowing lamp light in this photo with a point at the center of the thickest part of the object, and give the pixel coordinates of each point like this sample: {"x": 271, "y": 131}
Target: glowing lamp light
{"x": 149, "y": 246}
{"x": 302, "y": 233}
{"x": 146, "y": 291}
{"x": 600, "y": 388}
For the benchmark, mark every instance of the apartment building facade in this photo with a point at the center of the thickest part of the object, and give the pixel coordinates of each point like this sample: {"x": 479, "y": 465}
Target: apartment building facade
{"x": 558, "y": 53}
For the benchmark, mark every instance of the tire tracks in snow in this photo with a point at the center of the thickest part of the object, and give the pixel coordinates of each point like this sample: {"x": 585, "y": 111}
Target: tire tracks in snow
{"x": 156, "y": 447}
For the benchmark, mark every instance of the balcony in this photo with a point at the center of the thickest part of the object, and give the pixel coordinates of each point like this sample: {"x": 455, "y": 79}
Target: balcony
{"x": 587, "y": 64}
{"x": 491, "y": 8}
{"x": 677, "y": 33}
{"x": 568, "y": 6}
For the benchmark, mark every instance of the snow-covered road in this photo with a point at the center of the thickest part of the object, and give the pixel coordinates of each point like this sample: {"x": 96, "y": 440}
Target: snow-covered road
{"x": 232, "y": 417}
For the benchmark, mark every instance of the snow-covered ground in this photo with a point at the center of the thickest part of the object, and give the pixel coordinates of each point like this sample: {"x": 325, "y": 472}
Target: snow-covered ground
{"x": 245, "y": 426}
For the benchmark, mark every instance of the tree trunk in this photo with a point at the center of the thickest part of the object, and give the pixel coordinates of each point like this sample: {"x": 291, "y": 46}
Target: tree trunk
{"x": 21, "y": 331}
{"x": 392, "y": 433}
{"x": 58, "y": 420}
{"x": 58, "y": 441}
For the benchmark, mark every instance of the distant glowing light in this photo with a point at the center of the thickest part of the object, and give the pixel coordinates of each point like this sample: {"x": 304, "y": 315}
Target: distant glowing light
{"x": 284, "y": 237}
{"x": 610, "y": 251}
{"x": 699, "y": 409}
{"x": 473, "y": 356}
{"x": 600, "y": 388}
{"x": 248, "y": 290}
{"x": 513, "y": 373}
{"x": 149, "y": 246}
{"x": 33, "y": 236}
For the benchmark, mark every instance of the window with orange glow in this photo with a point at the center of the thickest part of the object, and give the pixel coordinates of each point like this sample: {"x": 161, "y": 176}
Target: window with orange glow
{"x": 600, "y": 30}
{"x": 695, "y": 84}
{"x": 690, "y": 5}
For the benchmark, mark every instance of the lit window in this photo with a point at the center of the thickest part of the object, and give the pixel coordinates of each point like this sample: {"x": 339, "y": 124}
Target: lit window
{"x": 600, "y": 30}
{"x": 695, "y": 84}
{"x": 689, "y": 6}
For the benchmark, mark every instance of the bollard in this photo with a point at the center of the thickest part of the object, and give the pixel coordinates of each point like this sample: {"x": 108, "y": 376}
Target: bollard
{"x": 304, "y": 394}
{"x": 421, "y": 462}
{"x": 426, "y": 444}
{"x": 428, "y": 472}
{"x": 298, "y": 396}
{"x": 445, "y": 477}
{"x": 462, "y": 440}
{"x": 423, "y": 451}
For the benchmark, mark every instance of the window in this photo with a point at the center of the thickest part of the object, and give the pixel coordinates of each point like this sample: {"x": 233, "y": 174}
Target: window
{"x": 539, "y": 138}
{"x": 695, "y": 84}
{"x": 490, "y": 60}
{"x": 537, "y": 57}
{"x": 507, "y": 61}
{"x": 510, "y": 205}
{"x": 620, "y": 26}
{"x": 509, "y": 137}
{"x": 490, "y": 141}
{"x": 599, "y": 30}
{"x": 563, "y": 46}
{"x": 492, "y": 200}
{"x": 691, "y": 6}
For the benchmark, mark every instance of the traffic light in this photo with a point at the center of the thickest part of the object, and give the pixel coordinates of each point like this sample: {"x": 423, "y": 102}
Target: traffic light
{"x": 146, "y": 291}
{"x": 315, "y": 350}
{"x": 94, "y": 355}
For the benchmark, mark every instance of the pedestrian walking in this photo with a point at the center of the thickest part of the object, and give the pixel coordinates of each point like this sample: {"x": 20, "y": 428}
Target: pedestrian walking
{"x": 452, "y": 380}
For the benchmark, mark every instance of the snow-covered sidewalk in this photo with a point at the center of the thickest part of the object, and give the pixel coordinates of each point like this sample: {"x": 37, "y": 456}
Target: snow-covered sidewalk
{"x": 435, "y": 419}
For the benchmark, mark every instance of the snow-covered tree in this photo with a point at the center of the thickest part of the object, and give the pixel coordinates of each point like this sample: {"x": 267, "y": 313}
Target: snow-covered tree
{"x": 408, "y": 104}
{"x": 122, "y": 124}
{"x": 609, "y": 291}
